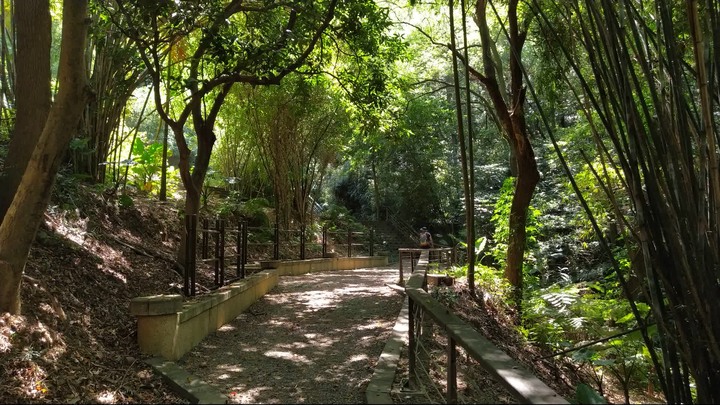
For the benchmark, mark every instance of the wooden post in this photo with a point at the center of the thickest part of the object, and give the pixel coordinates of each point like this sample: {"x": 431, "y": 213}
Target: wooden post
{"x": 186, "y": 273}
{"x": 400, "y": 255}
{"x": 411, "y": 340}
{"x": 276, "y": 252}
{"x": 204, "y": 243}
{"x": 302, "y": 242}
{"x": 222, "y": 252}
{"x": 216, "y": 254}
{"x": 349, "y": 243}
{"x": 324, "y": 241}
{"x": 244, "y": 247}
{"x": 372, "y": 241}
{"x": 451, "y": 393}
{"x": 192, "y": 241}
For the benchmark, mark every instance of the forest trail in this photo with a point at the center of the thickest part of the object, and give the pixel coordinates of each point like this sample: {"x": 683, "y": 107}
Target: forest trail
{"x": 315, "y": 338}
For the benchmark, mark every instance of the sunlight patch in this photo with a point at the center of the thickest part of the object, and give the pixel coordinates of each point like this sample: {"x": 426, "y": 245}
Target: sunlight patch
{"x": 294, "y": 357}
{"x": 233, "y": 368}
{"x": 248, "y": 396}
{"x": 106, "y": 397}
{"x": 371, "y": 325}
{"x": 114, "y": 273}
{"x": 358, "y": 357}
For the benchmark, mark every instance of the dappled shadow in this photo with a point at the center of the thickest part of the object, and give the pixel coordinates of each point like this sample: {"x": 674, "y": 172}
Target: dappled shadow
{"x": 76, "y": 340}
{"x": 313, "y": 339}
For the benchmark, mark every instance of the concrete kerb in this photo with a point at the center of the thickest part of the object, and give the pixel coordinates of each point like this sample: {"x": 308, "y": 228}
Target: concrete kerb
{"x": 184, "y": 384}
{"x": 380, "y": 386}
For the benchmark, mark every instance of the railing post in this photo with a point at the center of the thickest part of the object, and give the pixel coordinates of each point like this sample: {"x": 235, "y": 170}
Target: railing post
{"x": 400, "y": 255}
{"x": 222, "y": 252}
{"x": 186, "y": 273}
{"x": 276, "y": 248}
{"x": 239, "y": 265}
{"x": 244, "y": 248}
{"x": 204, "y": 243}
{"x": 324, "y": 241}
{"x": 412, "y": 261}
{"x": 349, "y": 243}
{"x": 412, "y": 343}
{"x": 302, "y": 242}
{"x": 216, "y": 253}
{"x": 451, "y": 393}
{"x": 372, "y": 241}
{"x": 193, "y": 254}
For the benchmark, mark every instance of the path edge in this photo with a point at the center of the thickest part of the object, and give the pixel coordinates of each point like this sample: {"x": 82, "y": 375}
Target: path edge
{"x": 378, "y": 390}
{"x": 185, "y": 384}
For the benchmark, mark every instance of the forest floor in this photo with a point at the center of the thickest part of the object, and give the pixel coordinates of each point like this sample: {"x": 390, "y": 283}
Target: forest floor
{"x": 75, "y": 341}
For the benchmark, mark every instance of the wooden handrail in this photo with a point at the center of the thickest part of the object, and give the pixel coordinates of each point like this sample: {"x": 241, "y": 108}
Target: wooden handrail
{"x": 521, "y": 383}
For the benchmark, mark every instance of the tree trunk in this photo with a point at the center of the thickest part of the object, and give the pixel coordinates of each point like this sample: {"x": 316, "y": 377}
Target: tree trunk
{"x": 26, "y": 211}
{"x": 527, "y": 179}
{"x": 33, "y": 92}
{"x": 511, "y": 116}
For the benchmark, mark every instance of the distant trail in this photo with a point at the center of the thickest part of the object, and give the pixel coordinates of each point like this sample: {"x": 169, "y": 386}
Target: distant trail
{"x": 315, "y": 338}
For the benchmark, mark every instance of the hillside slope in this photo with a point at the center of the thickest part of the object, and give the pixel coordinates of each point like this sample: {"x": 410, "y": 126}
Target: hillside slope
{"x": 75, "y": 340}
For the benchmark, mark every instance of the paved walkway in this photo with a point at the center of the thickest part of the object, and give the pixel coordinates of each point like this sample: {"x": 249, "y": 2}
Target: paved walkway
{"x": 315, "y": 338}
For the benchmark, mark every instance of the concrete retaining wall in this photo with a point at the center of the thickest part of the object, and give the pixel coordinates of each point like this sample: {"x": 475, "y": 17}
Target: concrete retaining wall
{"x": 169, "y": 327}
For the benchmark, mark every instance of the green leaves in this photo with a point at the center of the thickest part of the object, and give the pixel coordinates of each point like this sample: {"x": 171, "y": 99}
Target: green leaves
{"x": 586, "y": 395}
{"x": 147, "y": 164}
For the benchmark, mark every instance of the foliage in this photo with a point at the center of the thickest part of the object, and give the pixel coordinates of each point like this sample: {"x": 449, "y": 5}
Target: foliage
{"x": 146, "y": 167}
{"x": 350, "y": 189}
{"x": 336, "y": 217}
{"x": 125, "y": 201}
{"x": 501, "y": 219}
{"x": 586, "y": 395}
{"x": 256, "y": 212}
{"x": 445, "y": 295}
{"x": 600, "y": 204}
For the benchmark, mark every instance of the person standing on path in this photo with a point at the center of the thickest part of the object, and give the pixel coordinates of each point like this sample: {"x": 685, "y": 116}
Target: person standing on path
{"x": 426, "y": 241}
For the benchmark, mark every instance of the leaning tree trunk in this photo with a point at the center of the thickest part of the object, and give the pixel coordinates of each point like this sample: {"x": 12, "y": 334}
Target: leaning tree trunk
{"x": 26, "y": 211}
{"x": 511, "y": 115}
{"x": 527, "y": 178}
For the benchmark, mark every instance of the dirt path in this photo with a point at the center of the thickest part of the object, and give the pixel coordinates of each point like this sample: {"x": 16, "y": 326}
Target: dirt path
{"x": 313, "y": 339}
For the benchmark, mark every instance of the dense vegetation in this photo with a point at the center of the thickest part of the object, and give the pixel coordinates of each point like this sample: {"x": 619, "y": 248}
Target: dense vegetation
{"x": 571, "y": 148}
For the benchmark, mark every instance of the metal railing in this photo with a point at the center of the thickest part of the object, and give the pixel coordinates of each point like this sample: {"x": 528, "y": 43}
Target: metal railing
{"x": 438, "y": 259}
{"x": 427, "y": 319}
{"x": 220, "y": 245}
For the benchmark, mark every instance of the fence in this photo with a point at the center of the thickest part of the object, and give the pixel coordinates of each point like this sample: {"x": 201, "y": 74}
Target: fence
{"x": 438, "y": 259}
{"x": 221, "y": 245}
{"x": 434, "y": 335}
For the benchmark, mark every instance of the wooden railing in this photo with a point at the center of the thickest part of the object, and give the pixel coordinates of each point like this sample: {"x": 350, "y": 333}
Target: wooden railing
{"x": 223, "y": 245}
{"x": 518, "y": 381}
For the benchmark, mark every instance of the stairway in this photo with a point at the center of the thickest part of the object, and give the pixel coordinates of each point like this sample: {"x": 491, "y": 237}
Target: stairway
{"x": 388, "y": 239}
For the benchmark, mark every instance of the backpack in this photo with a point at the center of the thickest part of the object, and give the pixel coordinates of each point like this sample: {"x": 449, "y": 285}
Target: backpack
{"x": 424, "y": 238}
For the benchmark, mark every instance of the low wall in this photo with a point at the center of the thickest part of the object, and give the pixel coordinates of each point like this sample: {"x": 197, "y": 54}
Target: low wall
{"x": 169, "y": 327}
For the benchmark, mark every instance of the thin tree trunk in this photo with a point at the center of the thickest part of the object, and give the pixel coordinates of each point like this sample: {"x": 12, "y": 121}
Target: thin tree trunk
{"x": 471, "y": 157}
{"x": 465, "y": 164}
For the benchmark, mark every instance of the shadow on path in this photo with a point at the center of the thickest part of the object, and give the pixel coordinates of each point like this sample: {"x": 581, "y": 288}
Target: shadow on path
{"x": 315, "y": 338}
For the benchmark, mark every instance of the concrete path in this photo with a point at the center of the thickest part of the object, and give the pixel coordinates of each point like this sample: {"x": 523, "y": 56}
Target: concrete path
{"x": 315, "y": 338}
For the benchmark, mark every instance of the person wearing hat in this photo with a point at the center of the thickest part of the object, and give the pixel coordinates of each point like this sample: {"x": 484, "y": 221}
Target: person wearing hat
{"x": 426, "y": 241}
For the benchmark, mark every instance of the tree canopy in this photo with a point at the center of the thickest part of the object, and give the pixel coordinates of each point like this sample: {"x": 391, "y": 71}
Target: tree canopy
{"x": 573, "y": 147}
